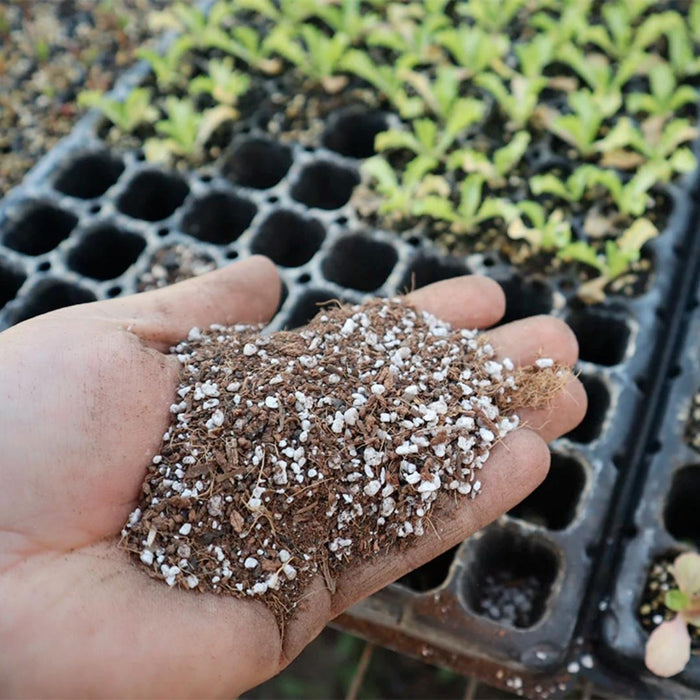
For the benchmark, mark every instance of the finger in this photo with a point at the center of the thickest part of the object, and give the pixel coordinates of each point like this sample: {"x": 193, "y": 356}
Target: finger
{"x": 516, "y": 467}
{"x": 471, "y": 301}
{"x": 245, "y": 292}
{"x": 528, "y": 339}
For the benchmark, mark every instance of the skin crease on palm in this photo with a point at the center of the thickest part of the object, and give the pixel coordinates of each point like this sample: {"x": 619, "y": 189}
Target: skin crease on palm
{"x": 84, "y": 399}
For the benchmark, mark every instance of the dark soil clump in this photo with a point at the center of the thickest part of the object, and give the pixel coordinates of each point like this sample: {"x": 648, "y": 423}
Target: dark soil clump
{"x": 297, "y": 454}
{"x": 692, "y": 431}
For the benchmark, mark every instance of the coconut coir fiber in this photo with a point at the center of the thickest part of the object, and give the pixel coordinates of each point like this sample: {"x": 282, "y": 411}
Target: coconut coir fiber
{"x": 300, "y": 453}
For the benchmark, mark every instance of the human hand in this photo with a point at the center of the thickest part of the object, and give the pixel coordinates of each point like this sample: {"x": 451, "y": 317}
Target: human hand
{"x": 84, "y": 401}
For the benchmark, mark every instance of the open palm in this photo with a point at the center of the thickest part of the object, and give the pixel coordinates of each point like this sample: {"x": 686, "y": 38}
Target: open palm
{"x": 84, "y": 401}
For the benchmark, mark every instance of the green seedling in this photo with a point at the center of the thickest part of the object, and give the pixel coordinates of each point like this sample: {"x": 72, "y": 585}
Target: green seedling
{"x": 565, "y": 27}
{"x": 617, "y": 36}
{"x": 535, "y": 55}
{"x": 128, "y": 114}
{"x": 491, "y": 15}
{"x": 181, "y": 127}
{"x": 580, "y": 128}
{"x": 473, "y": 49}
{"x": 312, "y": 52}
{"x": 198, "y": 24}
{"x": 386, "y": 79}
{"x": 292, "y": 12}
{"x": 496, "y": 168}
{"x": 681, "y": 51}
{"x": 518, "y": 100}
{"x": 348, "y": 17}
{"x": 666, "y": 97}
{"x": 247, "y": 45}
{"x": 168, "y": 66}
{"x": 222, "y": 82}
{"x": 668, "y": 647}
{"x": 542, "y": 231}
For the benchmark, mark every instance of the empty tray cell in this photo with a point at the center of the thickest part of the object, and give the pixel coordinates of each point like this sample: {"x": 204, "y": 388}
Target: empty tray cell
{"x": 351, "y": 131}
{"x": 554, "y": 502}
{"x": 288, "y": 239}
{"x": 325, "y": 185}
{"x": 39, "y": 228}
{"x": 525, "y": 298}
{"x": 598, "y": 403}
{"x": 681, "y": 512}
{"x": 359, "y": 262}
{"x": 309, "y": 304}
{"x": 153, "y": 195}
{"x": 258, "y": 163}
{"x": 430, "y": 575}
{"x": 49, "y": 295}
{"x": 105, "y": 252}
{"x": 11, "y": 279}
{"x": 509, "y": 578}
{"x": 426, "y": 269}
{"x": 602, "y": 338}
{"x": 89, "y": 175}
{"x": 218, "y": 218}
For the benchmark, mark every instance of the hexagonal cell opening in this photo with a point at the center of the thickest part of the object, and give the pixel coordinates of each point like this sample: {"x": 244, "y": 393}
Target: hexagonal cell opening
{"x": 218, "y": 218}
{"x": 554, "y": 502}
{"x": 681, "y": 512}
{"x": 602, "y": 339}
{"x": 258, "y": 163}
{"x": 426, "y": 269}
{"x": 430, "y": 575}
{"x": 309, "y": 304}
{"x": 288, "y": 239}
{"x": 351, "y": 131}
{"x": 509, "y": 578}
{"x": 11, "y": 279}
{"x": 359, "y": 262}
{"x": 89, "y": 175}
{"x": 153, "y": 195}
{"x": 525, "y": 298}
{"x": 105, "y": 252}
{"x": 49, "y": 295}
{"x": 598, "y": 403}
{"x": 325, "y": 185}
{"x": 39, "y": 228}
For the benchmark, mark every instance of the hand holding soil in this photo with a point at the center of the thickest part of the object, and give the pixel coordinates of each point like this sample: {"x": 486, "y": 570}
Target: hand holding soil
{"x": 86, "y": 393}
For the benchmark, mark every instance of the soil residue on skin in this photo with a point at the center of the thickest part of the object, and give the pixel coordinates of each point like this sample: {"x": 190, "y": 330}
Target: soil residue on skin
{"x": 303, "y": 453}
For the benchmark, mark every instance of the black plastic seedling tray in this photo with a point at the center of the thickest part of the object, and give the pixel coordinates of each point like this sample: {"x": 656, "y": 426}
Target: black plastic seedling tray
{"x": 90, "y": 223}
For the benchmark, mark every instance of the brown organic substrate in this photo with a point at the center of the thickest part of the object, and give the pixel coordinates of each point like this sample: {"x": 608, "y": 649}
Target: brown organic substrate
{"x": 301, "y": 453}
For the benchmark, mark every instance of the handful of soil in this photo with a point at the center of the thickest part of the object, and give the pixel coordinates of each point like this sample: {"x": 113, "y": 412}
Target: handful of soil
{"x": 303, "y": 452}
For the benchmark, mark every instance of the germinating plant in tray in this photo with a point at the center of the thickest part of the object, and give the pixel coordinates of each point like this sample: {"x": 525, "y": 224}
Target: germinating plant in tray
{"x": 479, "y": 88}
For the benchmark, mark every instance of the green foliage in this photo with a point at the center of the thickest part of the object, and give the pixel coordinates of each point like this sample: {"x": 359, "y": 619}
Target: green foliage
{"x": 580, "y": 128}
{"x": 666, "y": 95}
{"x": 491, "y": 15}
{"x": 473, "y": 49}
{"x": 128, "y": 114}
{"x": 496, "y": 168}
{"x": 168, "y": 66}
{"x": 543, "y": 231}
{"x": 222, "y": 82}
{"x": 517, "y": 100}
{"x": 246, "y": 44}
{"x": 349, "y": 17}
{"x": 181, "y": 126}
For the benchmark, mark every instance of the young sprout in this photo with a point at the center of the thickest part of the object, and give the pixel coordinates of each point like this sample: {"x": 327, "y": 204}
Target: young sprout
{"x": 181, "y": 128}
{"x": 565, "y": 27}
{"x": 681, "y": 51}
{"x": 349, "y": 17}
{"x": 168, "y": 67}
{"x": 616, "y": 36}
{"x": 127, "y": 115}
{"x": 246, "y": 44}
{"x": 312, "y": 52}
{"x": 542, "y": 231}
{"x": 291, "y": 12}
{"x": 491, "y": 15}
{"x": 580, "y": 128}
{"x": 518, "y": 101}
{"x": 222, "y": 82}
{"x": 473, "y": 49}
{"x": 668, "y": 646}
{"x": 535, "y": 55}
{"x": 666, "y": 96}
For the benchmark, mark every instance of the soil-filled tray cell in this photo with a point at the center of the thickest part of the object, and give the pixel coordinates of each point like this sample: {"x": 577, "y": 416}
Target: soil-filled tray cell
{"x": 11, "y": 279}
{"x": 360, "y": 262}
{"x": 526, "y": 298}
{"x": 153, "y": 195}
{"x": 288, "y": 238}
{"x": 431, "y": 575}
{"x": 38, "y": 228}
{"x": 220, "y": 217}
{"x": 509, "y": 577}
{"x": 426, "y": 269}
{"x": 681, "y": 512}
{"x": 590, "y": 428}
{"x": 351, "y": 131}
{"x": 602, "y": 338}
{"x": 49, "y": 295}
{"x": 307, "y": 306}
{"x": 173, "y": 264}
{"x": 89, "y": 175}
{"x": 258, "y": 163}
{"x": 692, "y": 430}
{"x": 105, "y": 252}
{"x": 554, "y": 503}
{"x": 325, "y": 185}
